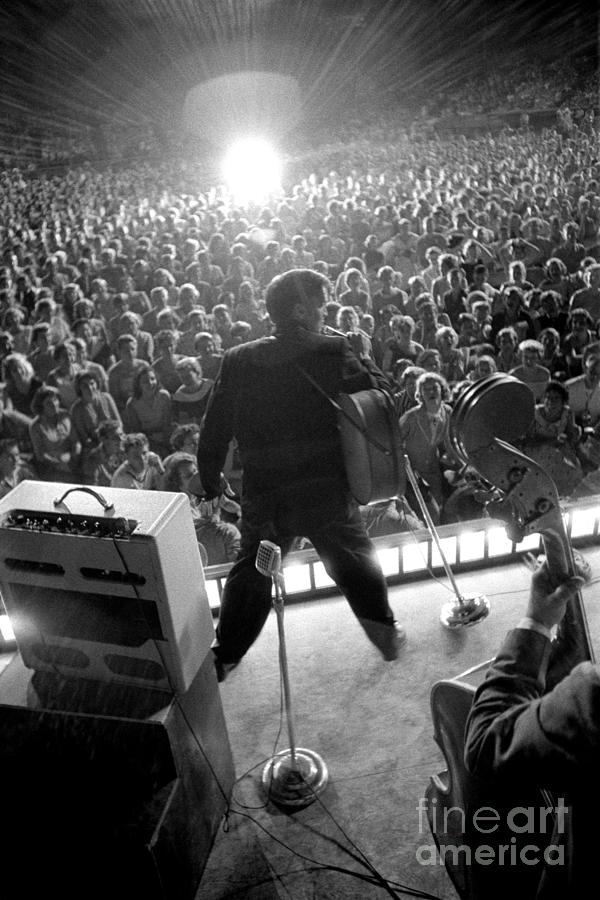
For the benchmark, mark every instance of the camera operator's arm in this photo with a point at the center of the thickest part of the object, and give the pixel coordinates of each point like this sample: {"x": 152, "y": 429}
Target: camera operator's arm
{"x": 515, "y": 730}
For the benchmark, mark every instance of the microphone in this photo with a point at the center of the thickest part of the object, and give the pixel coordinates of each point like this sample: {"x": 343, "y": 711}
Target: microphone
{"x": 268, "y": 561}
{"x": 327, "y": 329}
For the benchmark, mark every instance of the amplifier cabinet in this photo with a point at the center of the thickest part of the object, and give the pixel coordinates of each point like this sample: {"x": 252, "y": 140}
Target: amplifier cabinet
{"x": 105, "y": 587}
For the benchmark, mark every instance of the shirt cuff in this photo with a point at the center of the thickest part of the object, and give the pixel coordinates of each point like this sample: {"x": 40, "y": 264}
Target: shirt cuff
{"x": 531, "y": 625}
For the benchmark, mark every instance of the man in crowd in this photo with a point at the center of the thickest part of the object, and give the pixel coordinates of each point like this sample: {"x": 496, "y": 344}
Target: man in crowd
{"x": 268, "y": 397}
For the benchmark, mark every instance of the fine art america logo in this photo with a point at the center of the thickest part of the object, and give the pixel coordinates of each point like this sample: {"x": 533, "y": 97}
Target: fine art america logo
{"x": 516, "y": 822}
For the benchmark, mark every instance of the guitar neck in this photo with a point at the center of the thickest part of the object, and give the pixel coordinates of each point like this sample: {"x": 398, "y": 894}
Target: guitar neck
{"x": 559, "y": 557}
{"x": 573, "y": 643}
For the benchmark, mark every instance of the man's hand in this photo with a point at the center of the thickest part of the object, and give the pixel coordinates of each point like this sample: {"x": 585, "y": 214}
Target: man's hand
{"x": 547, "y": 603}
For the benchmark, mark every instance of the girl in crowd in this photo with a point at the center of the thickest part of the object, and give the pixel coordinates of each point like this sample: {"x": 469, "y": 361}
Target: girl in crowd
{"x": 63, "y": 375}
{"x": 554, "y": 437}
{"x": 481, "y": 309}
{"x": 91, "y": 407}
{"x": 552, "y": 357}
{"x": 341, "y": 285}
{"x": 103, "y": 460}
{"x": 484, "y": 366}
{"x": 550, "y": 314}
{"x": 455, "y": 300}
{"x": 530, "y": 370}
{"x": 41, "y": 356}
{"x": 166, "y": 362}
{"x": 355, "y": 294}
{"x": 556, "y": 279}
{"x": 401, "y": 344}
{"x": 507, "y": 342}
{"x": 406, "y": 398}
{"x": 424, "y": 436}
{"x": 195, "y": 323}
{"x": 221, "y": 540}
{"x": 373, "y": 258}
{"x": 189, "y": 401}
{"x": 21, "y": 382}
{"x": 13, "y": 322}
{"x": 184, "y": 439}
{"x": 517, "y": 277}
{"x": 55, "y": 446}
{"x": 122, "y": 374}
{"x": 46, "y": 310}
{"x": 389, "y": 293}
{"x": 579, "y": 336}
{"x": 453, "y": 359}
{"x": 150, "y": 410}
{"x": 429, "y": 320}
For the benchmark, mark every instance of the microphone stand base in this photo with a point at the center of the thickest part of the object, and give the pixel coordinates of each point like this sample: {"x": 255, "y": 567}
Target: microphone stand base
{"x": 294, "y": 782}
{"x": 465, "y": 613}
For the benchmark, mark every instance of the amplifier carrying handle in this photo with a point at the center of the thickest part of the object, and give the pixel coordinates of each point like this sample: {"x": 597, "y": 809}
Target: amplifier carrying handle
{"x": 101, "y": 500}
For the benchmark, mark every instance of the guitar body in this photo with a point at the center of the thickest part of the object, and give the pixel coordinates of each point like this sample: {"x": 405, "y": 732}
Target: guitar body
{"x": 371, "y": 446}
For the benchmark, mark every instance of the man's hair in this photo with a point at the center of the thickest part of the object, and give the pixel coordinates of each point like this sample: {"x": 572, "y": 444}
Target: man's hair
{"x": 108, "y": 428}
{"x": 181, "y": 433}
{"x": 298, "y": 286}
{"x": 135, "y": 439}
{"x": 556, "y": 387}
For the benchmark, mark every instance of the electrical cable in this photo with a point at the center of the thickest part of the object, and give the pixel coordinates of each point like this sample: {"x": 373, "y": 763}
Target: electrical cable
{"x": 375, "y": 878}
{"x": 413, "y": 892}
{"x": 263, "y": 762}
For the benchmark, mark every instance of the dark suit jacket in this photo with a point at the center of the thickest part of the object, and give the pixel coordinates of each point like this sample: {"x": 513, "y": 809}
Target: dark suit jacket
{"x": 286, "y": 430}
{"x": 518, "y": 735}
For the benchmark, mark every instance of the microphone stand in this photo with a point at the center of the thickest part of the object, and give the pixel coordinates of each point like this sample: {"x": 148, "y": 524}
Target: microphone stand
{"x": 296, "y": 776}
{"x": 464, "y": 611}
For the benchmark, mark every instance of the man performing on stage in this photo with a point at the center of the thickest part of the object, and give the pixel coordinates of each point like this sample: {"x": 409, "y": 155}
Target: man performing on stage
{"x": 294, "y": 483}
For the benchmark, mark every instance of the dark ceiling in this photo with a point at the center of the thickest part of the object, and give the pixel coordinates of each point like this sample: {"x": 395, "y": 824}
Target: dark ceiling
{"x": 86, "y": 59}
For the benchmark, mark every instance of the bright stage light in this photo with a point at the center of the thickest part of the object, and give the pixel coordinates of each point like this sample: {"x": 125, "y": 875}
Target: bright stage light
{"x": 252, "y": 170}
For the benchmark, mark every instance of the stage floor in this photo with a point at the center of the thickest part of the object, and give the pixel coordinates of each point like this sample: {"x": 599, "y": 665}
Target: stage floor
{"x": 370, "y": 721}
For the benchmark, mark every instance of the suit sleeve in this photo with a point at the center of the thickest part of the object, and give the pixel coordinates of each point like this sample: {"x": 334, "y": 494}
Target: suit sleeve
{"x": 361, "y": 374}
{"x": 517, "y": 732}
{"x": 216, "y": 429}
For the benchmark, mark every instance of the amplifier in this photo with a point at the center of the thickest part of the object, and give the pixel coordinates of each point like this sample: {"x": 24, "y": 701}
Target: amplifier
{"x": 106, "y": 587}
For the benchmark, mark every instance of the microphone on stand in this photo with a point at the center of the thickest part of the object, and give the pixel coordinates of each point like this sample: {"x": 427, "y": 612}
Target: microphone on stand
{"x": 296, "y": 776}
{"x": 464, "y": 611}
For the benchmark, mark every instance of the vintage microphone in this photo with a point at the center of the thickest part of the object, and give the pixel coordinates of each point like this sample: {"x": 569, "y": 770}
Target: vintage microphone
{"x": 296, "y": 776}
{"x": 464, "y": 611}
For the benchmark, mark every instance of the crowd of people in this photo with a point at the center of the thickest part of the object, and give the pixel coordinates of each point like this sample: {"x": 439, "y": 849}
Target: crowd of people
{"x": 529, "y": 85}
{"x": 447, "y": 259}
